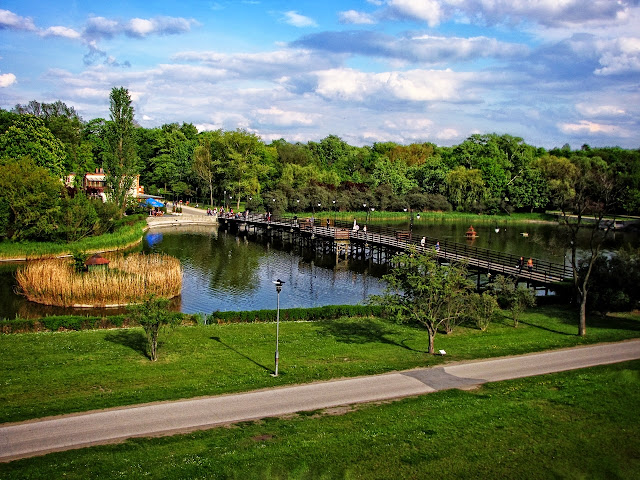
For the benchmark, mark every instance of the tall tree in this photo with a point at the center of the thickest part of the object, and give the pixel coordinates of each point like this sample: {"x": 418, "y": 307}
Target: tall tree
{"x": 206, "y": 159}
{"x": 586, "y": 192}
{"x": 242, "y": 163}
{"x": 121, "y": 162}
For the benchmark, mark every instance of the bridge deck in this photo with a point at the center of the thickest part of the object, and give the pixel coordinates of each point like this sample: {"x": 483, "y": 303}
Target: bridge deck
{"x": 543, "y": 272}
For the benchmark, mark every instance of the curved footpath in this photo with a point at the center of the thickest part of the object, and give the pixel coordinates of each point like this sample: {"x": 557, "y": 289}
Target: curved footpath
{"x": 37, "y": 437}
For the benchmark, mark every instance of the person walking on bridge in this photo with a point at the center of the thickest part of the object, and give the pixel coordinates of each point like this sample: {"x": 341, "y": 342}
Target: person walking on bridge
{"x": 530, "y": 265}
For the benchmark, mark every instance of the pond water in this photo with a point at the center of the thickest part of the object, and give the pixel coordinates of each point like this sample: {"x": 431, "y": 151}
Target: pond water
{"x": 224, "y": 272}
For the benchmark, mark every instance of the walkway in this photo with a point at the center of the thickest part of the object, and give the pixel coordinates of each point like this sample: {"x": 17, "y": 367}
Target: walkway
{"x": 32, "y": 438}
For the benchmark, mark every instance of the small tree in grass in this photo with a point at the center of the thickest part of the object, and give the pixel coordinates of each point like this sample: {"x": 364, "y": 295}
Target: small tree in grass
{"x": 153, "y": 315}
{"x": 481, "y": 309}
{"x": 513, "y": 297}
{"x": 420, "y": 290}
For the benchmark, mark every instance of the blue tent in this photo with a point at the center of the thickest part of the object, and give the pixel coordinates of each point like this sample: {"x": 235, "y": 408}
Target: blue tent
{"x": 152, "y": 202}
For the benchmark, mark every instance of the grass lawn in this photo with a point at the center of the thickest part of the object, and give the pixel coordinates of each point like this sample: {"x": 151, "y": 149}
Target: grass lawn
{"x": 124, "y": 237}
{"x": 45, "y": 374}
{"x": 578, "y": 424}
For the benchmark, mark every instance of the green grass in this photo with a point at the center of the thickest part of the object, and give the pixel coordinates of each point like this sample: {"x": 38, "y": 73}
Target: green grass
{"x": 49, "y": 373}
{"x": 430, "y": 217}
{"x": 578, "y": 424}
{"x": 123, "y": 237}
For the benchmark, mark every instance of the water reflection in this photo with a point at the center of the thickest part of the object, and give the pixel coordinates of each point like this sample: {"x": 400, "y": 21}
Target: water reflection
{"x": 224, "y": 272}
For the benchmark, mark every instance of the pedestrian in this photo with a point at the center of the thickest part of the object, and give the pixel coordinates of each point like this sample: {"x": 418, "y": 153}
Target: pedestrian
{"x": 328, "y": 223}
{"x": 530, "y": 265}
{"x": 423, "y": 241}
{"x": 520, "y": 263}
{"x": 437, "y": 246}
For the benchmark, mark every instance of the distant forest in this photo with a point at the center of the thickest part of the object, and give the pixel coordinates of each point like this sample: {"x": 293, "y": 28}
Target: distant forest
{"x": 486, "y": 173}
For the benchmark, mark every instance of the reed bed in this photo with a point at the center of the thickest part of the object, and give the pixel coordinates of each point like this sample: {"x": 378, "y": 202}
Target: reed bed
{"x": 129, "y": 279}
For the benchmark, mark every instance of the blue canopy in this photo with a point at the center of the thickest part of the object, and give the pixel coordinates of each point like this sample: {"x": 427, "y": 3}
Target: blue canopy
{"x": 152, "y": 202}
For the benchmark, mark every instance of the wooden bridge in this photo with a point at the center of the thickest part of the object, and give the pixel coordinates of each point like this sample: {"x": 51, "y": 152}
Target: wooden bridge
{"x": 380, "y": 245}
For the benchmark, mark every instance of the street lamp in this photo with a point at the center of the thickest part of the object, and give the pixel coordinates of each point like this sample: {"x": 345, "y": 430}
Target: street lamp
{"x": 225, "y": 200}
{"x": 334, "y": 213}
{"x": 278, "y": 283}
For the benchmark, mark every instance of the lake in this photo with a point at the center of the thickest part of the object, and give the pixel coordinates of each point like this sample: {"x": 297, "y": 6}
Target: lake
{"x": 224, "y": 272}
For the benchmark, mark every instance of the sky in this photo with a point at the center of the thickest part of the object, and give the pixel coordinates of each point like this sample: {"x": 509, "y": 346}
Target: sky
{"x": 553, "y": 72}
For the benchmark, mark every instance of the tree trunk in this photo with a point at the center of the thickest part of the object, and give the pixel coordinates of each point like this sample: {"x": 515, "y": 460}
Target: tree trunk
{"x": 582, "y": 326}
{"x": 432, "y": 350}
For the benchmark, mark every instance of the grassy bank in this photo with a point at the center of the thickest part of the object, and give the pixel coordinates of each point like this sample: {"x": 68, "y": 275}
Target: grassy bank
{"x": 579, "y": 424}
{"x": 430, "y": 217}
{"x": 53, "y": 373}
{"x": 127, "y": 235}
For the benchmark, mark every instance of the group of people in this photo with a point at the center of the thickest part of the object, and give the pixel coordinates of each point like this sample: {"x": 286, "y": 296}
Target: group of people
{"x": 520, "y": 264}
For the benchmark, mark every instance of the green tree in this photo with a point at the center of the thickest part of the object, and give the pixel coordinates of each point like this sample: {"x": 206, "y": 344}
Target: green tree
{"x": 153, "y": 315}
{"x": 121, "y": 161}
{"x": 242, "y": 164}
{"x": 32, "y": 196}
{"x": 29, "y": 136}
{"x": 512, "y": 297}
{"x": 585, "y": 190}
{"x": 465, "y": 186}
{"x": 206, "y": 159}
{"x": 421, "y": 291}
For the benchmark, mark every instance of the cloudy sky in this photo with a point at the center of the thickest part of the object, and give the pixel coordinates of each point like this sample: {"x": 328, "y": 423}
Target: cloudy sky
{"x": 550, "y": 71}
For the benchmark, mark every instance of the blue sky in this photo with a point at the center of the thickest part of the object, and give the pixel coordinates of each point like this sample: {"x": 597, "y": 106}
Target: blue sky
{"x": 549, "y": 71}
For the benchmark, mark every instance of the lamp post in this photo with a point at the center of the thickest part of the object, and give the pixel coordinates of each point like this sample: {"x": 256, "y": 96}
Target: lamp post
{"x": 278, "y": 283}
{"x": 225, "y": 201}
{"x": 334, "y": 214}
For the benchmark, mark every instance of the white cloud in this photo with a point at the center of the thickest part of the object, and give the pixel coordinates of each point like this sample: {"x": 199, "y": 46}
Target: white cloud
{"x": 11, "y": 21}
{"x": 59, "y": 31}
{"x": 592, "y": 110}
{"x": 619, "y": 56}
{"x": 426, "y": 10}
{"x": 412, "y": 85}
{"x": 543, "y": 12}
{"x": 587, "y": 127}
{"x": 277, "y": 116}
{"x": 140, "y": 26}
{"x": 295, "y": 19}
{"x": 354, "y": 17}
{"x": 7, "y": 79}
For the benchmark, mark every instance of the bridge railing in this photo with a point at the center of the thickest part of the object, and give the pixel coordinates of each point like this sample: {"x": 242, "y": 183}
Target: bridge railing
{"x": 403, "y": 239}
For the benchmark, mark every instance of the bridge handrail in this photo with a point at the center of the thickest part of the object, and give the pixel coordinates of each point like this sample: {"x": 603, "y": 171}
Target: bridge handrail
{"x": 388, "y": 236}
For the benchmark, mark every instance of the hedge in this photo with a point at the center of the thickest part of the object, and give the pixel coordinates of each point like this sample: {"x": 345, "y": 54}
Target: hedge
{"x": 328, "y": 312}
{"x": 75, "y": 322}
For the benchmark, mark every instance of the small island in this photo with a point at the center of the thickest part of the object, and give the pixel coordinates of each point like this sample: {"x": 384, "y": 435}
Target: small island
{"x": 128, "y": 279}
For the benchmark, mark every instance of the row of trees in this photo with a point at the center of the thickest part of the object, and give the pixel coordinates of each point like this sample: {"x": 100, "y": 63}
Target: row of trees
{"x": 487, "y": 173}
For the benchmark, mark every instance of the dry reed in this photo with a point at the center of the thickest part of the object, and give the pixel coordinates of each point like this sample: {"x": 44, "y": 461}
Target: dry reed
{"x": 129, "y": 279}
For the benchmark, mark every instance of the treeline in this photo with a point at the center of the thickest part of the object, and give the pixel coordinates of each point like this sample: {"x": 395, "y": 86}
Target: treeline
{"x": 487, "y": 173}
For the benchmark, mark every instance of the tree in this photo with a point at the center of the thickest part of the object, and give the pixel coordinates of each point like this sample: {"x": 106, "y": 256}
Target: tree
{"x": 30, "y": 200}
{"x": 421, "y": 291}
{"x": 513, "y": 297}
{"x": 121, "y": 160}
{"x": 585, "y": 190}
{"x": 153, "y": 315}
{"x": 242, "y": 163}
{"x": 28, "y": 136}
{"x": 206, "y": 158}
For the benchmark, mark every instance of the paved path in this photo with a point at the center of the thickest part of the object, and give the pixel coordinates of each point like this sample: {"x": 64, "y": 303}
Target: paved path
{"x": 38, "y": 437}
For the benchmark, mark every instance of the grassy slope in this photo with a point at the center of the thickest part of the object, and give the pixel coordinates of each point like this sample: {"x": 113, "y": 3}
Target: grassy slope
{"x": 53, "y": 373}
{"x": 125, "y": 236}
{"x": 579, "y": 424}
